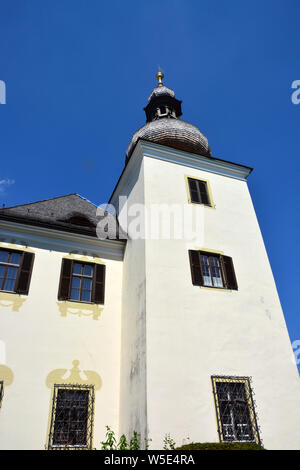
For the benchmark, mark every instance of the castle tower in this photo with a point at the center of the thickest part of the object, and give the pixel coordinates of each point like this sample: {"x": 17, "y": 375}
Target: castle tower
{"x": 205, "y": 350}
{"x": 163, "y": 320}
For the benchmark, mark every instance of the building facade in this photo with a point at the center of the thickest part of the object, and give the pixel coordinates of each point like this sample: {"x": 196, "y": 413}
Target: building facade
{"x": 162, "y": 319}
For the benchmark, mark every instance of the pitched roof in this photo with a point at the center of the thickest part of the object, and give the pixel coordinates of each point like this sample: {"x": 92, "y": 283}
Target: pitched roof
{"x": 70, "y": 212}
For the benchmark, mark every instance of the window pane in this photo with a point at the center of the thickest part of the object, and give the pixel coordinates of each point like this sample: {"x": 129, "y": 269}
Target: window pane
{"x": 74, "y": 294}
{"x": 76, "y": 282}
{"x": 2, "y": 270}
{"x": 88, "y": 270}
{"x": 205, "y": 271}
{"x": 77, "y": 268}
{"x": 3, "y": 256}
{"x": 12, "y": 273}
{"x": 204, "y": 259}
{"x": 193, "y": 184}
{"x": 87, "y": 283}
{"x": 86, "y": 295}
{"x": 195, "y": 196}
{"x": 217, "y": 277}
{"x": 203, "y": 192}
{"x": 217, "y": 282}
{"x": 9, "y": 285}
{"x": 207, "y": 281}
{"x": 15, "y": 258}
{"x": 214, "y": 261}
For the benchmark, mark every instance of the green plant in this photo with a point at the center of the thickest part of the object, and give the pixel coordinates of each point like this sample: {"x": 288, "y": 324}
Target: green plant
{"x": 123, "y": 444}
{"x": 147, "y": 443}
{"x": 221, "y": 446}
{"x": 169, "y": 443}
{"x": 135, "y": 443}
{"x": 110, "y": 443}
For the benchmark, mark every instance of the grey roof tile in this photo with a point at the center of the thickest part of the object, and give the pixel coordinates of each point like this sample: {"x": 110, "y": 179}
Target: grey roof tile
{"x": 70, "y": 212}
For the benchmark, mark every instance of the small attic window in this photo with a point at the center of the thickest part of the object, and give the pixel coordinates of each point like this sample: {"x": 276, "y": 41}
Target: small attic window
{"x": 80, "y": 220}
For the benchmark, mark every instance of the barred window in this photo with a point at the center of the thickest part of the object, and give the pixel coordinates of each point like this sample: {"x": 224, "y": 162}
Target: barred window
{"x": 72, "y": 416}
{"x": 235, "y": 409}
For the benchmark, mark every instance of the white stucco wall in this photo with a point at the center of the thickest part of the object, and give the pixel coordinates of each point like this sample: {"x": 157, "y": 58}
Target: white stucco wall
{"x": 159, "y": 339}
{"x": 133, "y": 405}
{"x": 193, "y": 333}
{"x": 40, "y": 338}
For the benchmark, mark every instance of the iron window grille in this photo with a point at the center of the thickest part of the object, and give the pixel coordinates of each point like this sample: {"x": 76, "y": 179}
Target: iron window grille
{"x": 199, "y": 192}
{"x": 72, "y": 417}
{"x": 9, "y": 268}
{"x": 235, "y": 409}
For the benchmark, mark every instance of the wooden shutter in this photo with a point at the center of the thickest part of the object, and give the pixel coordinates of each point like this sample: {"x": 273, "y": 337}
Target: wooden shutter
{"x": 65, "y": 279}
{"x": 98, "y": 293}
{"x": 24, "y": 274}
{"x": 197, "y": 278}
{"x": 228, "y": 269}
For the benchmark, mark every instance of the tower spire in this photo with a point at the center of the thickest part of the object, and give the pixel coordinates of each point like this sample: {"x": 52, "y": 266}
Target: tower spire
{"x": 159, "y": 76}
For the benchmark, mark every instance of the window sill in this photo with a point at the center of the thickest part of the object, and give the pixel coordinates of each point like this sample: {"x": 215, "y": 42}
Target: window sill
{"x": 67, "y": 447}
{"x": 237, "y": 442}
{"x": 221, "y": 289}
{"x": 10, "y": 292}
{"x": 81, "y": 302}
{"x": 209, "y": 206}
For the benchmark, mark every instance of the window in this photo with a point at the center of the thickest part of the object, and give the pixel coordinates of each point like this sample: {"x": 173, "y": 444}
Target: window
{"x": 15, "y": 271}
{"x": 72, "y": 416}
{"x": 212, "y": 270}
{"x": 235, "y": 409}
{"x": 82, "y": 282}
{"x": 199, "y": 193}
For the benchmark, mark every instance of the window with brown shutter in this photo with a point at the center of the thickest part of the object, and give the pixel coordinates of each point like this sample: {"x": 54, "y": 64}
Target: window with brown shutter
{"x": 82, "y": 282}
{"x": 212, "y": 270}
{"x": 15, "y": 271}
{"x": 199, "y": 191}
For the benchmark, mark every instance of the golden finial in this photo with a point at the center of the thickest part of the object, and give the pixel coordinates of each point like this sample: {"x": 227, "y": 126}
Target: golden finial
{"x": 159, "y": 76}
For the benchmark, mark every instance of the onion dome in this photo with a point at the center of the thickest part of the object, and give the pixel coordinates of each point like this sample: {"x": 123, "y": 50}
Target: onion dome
{"x": 165, "y": 127}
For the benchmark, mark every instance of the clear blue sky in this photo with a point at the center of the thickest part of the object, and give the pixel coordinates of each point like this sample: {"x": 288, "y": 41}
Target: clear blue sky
{"x": 78, "y": 74}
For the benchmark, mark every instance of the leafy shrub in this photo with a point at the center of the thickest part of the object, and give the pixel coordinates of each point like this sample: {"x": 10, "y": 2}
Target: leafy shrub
{"x": 169, "y": 443}
{"x": 221, "y": 446}
{"x": 111, "y": 443}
